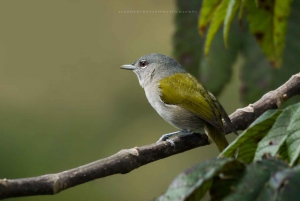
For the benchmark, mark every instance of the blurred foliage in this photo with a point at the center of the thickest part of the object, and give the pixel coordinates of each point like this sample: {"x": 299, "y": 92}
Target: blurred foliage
{"x": 215, "y": 73}
{"x": 186, "y": 40}
{"x": 252, "y": 167}
{"x": 256, "y": 73}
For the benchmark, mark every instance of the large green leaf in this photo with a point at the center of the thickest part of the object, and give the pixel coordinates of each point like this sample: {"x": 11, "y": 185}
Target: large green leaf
{"x": 286, "y": 183}
{"x": 193, "y": 183}
{"x": 293, "y": 135}
{"x": 267, "y": 23}
{"x": 291, "y": 62}
{"x": 283, "y": 185}
{"x": 222, "y": 186}
{"x": 261, "y": 25}
{"x": 271, "y": 143}
{"x": 280, "y": 16}
{"x": 254, "y": 180}
{"x": 257, "y": 75}
{"x": 283, "y": 152}
{"x": 244, "y": 146}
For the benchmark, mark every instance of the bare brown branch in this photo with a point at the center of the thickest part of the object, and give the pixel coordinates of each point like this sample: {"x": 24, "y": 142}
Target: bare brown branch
{"x": 120, "y": 163}
{"x": 130, "y": 159}
{"x": 243, "y": 117}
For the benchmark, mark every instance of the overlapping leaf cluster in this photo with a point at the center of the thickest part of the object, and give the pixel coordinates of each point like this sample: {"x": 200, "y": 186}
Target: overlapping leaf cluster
{"x": 267, "y": 22}
{"x": 268, "y": 37}
{"x": 261, "y": 164}
{"x": 274, "y": 134}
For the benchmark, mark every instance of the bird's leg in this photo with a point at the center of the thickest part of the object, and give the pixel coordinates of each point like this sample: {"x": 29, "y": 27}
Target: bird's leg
{"x": 166, "y": 137}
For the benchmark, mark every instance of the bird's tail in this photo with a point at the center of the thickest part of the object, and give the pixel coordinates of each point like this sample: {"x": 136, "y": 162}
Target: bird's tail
{"x": 216, "y": 136}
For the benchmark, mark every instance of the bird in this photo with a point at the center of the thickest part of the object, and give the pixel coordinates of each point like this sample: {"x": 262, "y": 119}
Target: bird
{"x": 180, "y": 99}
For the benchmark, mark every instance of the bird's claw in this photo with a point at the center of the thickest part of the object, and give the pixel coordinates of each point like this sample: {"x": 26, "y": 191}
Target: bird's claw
{"x": 172, "y": 143}
{"x": 162, "y": 138}
{"x": 165, "y": 138}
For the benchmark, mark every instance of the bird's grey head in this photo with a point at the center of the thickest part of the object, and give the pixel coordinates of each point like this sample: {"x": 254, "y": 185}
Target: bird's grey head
{"x": 151, "y": 68}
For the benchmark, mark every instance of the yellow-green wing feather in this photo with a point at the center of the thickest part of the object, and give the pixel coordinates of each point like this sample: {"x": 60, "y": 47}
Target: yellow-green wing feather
{"x": 184, "y": 90}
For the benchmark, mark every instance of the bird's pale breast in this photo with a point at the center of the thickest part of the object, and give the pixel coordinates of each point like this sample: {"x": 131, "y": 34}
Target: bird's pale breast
{"x": 176, "y": 115}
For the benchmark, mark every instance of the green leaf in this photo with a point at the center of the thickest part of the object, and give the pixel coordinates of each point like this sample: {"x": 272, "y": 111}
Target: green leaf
{"x": 257, "y": 75}
{"x": 281, "y": 14}
{"x": 246, "y": 143}
{"x": 269, "y": 191}
{"x": 254, "y": 179}
{"x": 241, "y": 12}
{"x": 268, "y": 22}
{"x": 283, "y": 185}
{"x": 271, "y": 143}
{"x": 293, "y": 135}
{"x": 193, "y": 183}
{"x": 216, "y": 70}
{"x": 260, "y": 21}
{"x": 222, "y": 186}
{"x": 232, "y": 8}
{"x": 206, "y": 13}
{"x": 283, "y": 152}
{"x": 217, "y": 20}
{"x": 287, "y": 183}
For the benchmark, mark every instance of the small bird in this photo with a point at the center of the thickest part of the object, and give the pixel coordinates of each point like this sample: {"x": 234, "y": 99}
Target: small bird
{"x": 180, "y": 99}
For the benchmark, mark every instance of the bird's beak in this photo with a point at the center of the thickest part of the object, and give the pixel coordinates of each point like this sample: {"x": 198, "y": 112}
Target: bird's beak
{"x": 128, "y": 67}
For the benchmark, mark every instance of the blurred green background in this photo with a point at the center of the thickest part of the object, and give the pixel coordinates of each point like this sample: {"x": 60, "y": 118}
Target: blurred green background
{"x": 64, "y": 101}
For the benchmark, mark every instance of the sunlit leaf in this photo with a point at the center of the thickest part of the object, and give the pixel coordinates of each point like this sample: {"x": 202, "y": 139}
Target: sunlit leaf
{"x": 217, "y": 20}
{"x": 260, "y": 19}
{"x": 207, "y": 10}
{"x": 257, "y": 75}
{"x": 268, "y": 22}
{"x": 281, "y": 14}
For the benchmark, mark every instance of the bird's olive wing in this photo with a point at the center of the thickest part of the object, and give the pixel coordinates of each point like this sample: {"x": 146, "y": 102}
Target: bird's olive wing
{"x": 184, "y": 90}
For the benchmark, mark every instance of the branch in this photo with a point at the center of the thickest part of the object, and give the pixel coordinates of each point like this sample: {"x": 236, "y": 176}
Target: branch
{"x": 129, "y": 159}
{"x": 243, "y": 117}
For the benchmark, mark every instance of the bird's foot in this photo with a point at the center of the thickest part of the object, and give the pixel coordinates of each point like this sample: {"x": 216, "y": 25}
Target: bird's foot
{"x": 166, "y": 137}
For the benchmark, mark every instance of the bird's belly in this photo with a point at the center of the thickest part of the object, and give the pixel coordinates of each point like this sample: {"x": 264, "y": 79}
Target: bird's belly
{"x": 177, "y": 116}
{"x": 181, "y": 118}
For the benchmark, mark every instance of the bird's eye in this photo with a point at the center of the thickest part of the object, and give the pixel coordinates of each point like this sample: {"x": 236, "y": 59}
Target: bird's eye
{"x": 143, "y": 63}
